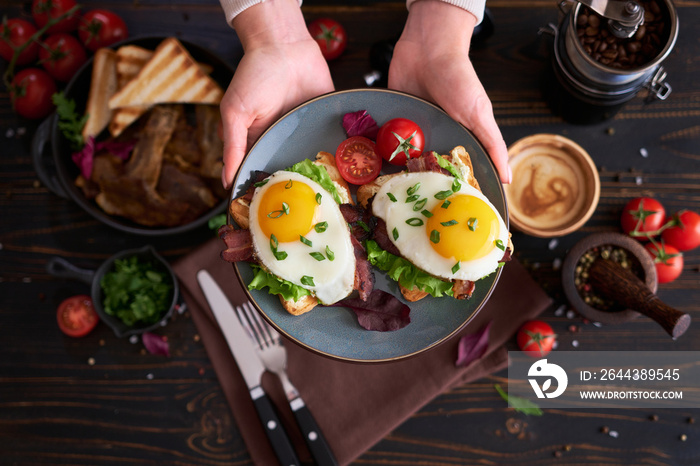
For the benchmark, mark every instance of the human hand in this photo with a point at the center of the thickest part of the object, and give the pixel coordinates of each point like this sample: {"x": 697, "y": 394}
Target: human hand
{"x": 282, "y": 67}
{"x": 431, "y": 60}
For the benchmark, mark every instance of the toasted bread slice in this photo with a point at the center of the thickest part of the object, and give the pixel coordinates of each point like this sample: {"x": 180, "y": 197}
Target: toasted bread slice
{"x": 461, "y": 159}
{"x": 170, "y": 76}
{"x": 102, "y": 87}
{"x": 239, "y": 209}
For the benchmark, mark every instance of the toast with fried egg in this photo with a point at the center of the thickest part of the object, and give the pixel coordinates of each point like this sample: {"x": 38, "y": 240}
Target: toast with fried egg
{"x": 240, "y": 211}
{"x": 421, "y": 249}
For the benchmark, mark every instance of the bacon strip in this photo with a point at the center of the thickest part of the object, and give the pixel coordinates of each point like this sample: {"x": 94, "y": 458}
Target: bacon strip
{"x": 364, "y": 278}
{"x": 239, "y": 244}
{"x": 426, "y": 162}
{"x": 463, "y": 289}
{"x": 361, "y": 221}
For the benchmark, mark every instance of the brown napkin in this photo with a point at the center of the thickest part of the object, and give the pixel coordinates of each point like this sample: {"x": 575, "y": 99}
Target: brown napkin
{"x": 356, "y": 405}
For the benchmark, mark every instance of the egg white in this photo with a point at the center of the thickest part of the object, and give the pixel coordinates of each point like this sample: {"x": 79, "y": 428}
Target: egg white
{"x": 414, "y": 241}
{"x": 333, "y": 280}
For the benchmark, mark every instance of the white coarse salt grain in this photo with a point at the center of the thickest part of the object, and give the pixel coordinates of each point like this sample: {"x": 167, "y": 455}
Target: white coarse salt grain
{"x": 638, "y": 180}
{"x": 149, "y": 376}
{"x": 644, "y": 153}
{"x": 560, "y": 310}
{"x": 570, "y": 314}
{"x": 597, "y": 324}
{"x": 614, "y": 434}
{"x": 9, "y": 133}
{"x": 556, "y": 263}
{"x": 21, "y": 131}
{"x": 133, "y": 339}
{"x": 574, "y": 343}
{"x": 555, "y": 345}
{"x": 553, "y": 243}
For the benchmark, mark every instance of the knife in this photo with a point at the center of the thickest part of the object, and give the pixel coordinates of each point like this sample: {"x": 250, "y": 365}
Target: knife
{"x": 251, "y": 368}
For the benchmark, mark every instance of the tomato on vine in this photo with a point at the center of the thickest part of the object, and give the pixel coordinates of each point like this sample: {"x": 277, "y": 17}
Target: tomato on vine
{"x": 101, "y": 28}
{"x": 642, "y": 216}
{"x": 536, "y": 338}
{"x": 30, "y": 92}
{"x": 15, "y": 33}
{"x": 45, "y": 10}
{"x": 667, "y": 259}
{"x": 400, "y": 139}
{"x": 62, "y": 55}
{"x": 330, "y": 37}
{"x": 683, "y": 231}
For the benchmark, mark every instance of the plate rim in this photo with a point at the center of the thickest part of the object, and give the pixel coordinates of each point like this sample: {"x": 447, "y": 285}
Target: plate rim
{"x": 296, "y": 341}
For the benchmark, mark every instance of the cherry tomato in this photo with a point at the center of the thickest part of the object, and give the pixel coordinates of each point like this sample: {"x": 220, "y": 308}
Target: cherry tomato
{"x": 668, "y": 261}
{"x": 31, "y": 92}
{"x": 684, "y": 233}
{"x": 536, "y": 338}
{"x": 15, "y": 33}
{"x": 642, "y": 215}
{"x": 61, "y": 56}
{"x": 398, "y": 140}
{"x": 101, "y": 28}
{"x": 330, "y": 36}
{"x": 76, "y": 316}
{"x": 357, "y": 160}
{"x": 42, "y": 10}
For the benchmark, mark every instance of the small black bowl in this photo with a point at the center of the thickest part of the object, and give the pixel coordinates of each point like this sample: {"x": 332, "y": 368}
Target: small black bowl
{"x": 60, "y": 267}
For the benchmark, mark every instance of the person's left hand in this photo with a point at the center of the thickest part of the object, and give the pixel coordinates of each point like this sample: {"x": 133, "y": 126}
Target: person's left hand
{"x": 431, "y": 60}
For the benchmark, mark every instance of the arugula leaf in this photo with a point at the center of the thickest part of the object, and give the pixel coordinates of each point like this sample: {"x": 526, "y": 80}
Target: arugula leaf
{"x": 69, "y": 122}
{"x": 136, "y": 291}
{"x": 408, "y": 275}
{"x": 317, "y": 173}
{"x": 276, "y": 285}
{"x": 519, "y": 404}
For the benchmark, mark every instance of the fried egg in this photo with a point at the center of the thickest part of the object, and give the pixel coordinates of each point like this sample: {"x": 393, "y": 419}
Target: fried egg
{"x": 442, "y": 225}
{"x": 300, "y": 235}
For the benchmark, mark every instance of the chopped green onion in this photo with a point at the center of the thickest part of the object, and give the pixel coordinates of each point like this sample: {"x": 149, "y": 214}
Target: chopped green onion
{"x": 279, "y": 213}
{"x": 308, "y": 281}
{"x": 391, "y": 197}
{"x": 500, "y": 245}
{"x": 274, "y": 244}
{"x": 435, "y": 236}
{"x": 472, "y": 222}
{"x": 261, "y": 183}
{"x": 420, "y": 204}
{"x": 427, "y": 213}
{"x": 412, "y": 190}
{"x": 395, "y": 233}
{"x": 305, "y": 241}
{"x": 330, "y": 254}
{"x": 456, "y": 185}
{"x": 415, "y": 197}
{"x": 449, "y": 224}
{"x": 414, "y": 222}
{"x": 443, "y": 194}
{"x": 288, "y": 185}
{"x": 318, "y": 198}
{"x": 317, "y": 255}
{"x": 363, "y": 225}
{"x": 455, "y": 267}
{"x": 320, "y": 227}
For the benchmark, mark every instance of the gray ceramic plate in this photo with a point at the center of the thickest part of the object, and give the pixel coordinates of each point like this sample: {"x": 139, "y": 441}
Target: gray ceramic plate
{"x": 317, "y": 126}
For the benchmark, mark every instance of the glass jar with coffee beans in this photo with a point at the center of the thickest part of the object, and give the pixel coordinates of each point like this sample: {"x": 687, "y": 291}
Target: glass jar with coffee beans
{"x": 602, "y": 46}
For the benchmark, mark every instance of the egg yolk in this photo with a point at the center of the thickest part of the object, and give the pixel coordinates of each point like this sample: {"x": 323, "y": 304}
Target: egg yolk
{"x": 287, "y": 210}
{"x": 464, "y": 228}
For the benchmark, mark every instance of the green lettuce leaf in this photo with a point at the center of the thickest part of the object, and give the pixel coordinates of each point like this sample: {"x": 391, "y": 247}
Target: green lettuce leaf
{"x": 317, "y": 173}
{"x": 444, "y": 163}
{"x": 404, "y": 272}
{"x": 276, "y": 285}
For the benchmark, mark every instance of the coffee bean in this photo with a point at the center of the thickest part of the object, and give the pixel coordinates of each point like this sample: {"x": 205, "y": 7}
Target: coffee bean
{"x": 594, "y": 21}
{"x": 602, "y": 46}
{"x": 591, "y": 31}
{"x": 641, "y": 31}
{"x": 582, "y": 20}
{"x": 633, "y": 47}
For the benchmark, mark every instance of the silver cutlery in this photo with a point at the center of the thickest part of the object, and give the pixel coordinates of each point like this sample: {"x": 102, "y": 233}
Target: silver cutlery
{"x": 268, "y": 344}
{"x": 251, "y": 368}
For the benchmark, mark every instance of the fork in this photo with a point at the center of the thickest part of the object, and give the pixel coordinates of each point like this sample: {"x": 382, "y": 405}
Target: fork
{"x": 268, "y": 344}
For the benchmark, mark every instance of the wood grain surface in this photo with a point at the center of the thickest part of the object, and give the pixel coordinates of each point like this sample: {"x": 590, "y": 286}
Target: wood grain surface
{"x": 103, "y": 400}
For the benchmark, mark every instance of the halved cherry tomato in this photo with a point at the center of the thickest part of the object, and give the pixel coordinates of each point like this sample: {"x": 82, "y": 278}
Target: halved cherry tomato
{"x": 668, "y": 261}
{"x": 357, "y": 160}
{"x": 536, "y": 338}
{"x": 400, "y": 139}
{"x": 76, "y": 316}
{"x": 330, "y": 37}
{"x": 684, "y": 233}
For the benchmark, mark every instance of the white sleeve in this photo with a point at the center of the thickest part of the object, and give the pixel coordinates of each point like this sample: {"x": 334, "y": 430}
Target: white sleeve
{"x": 475, "y": 7}
{"x": 233, "y": 8}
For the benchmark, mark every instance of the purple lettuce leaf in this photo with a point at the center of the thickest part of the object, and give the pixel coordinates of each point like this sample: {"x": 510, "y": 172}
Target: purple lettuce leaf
{"x": 360, "y": 123}
{"x": 156, "y": 344}
{"x": 382, "y": 312}
{"x": 473, "y": 346}
{"x": 85, "y": 158}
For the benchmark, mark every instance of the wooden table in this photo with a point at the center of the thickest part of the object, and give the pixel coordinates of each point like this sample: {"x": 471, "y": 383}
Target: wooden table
{"x": 103, "y": 400}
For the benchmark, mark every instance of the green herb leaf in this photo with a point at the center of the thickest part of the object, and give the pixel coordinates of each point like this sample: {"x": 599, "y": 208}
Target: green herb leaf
{"x": 305, "y": 240}
{"x": 449, "y": 224}
{"x": 472, "y": 222}
{"x": 427, "y": 213}
{"x": 320, "y": 227}
{"x": 288, "y": 185}
{"x": 363, "y": 225}
{"x": 443, "y": 194}
{"x": 414, "y": 221}
{"x": 69, "y": 122}
{"x": 216, "y": 221}
{"x": 395, "y": 233}
{"x": 307, "y": 280}
{"x": 318, "y": 198}
{"x": 413, "y": 189}
{"x": 330, "y": 254}
{"x": 261, "y": 183}
{"x": 318, "y": 256}
{"x": 445, "y": 204}
{"x": 442, "y": 161}
{"x": 456, "y": 267}
{"x": 519, "y": 404}
{"x": 410, "y": 199}
{"x": 499, "y": 244}
{"x": 420, "y": 204}
{"x": 391, "y": 197}
{"x": 435, "y": 236}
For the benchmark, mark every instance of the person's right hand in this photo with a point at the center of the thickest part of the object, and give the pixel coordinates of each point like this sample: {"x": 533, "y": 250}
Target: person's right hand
{"x": 282, "y": 67}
